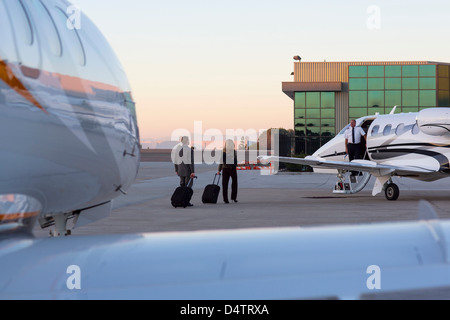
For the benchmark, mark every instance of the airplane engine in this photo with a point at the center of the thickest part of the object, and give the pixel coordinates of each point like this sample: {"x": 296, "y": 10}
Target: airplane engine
{"x": 435, "y": 122}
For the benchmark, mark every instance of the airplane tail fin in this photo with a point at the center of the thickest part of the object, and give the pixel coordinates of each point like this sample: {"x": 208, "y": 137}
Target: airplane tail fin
{"x": 393, "y": 110}
{"x": 18, "y": 214}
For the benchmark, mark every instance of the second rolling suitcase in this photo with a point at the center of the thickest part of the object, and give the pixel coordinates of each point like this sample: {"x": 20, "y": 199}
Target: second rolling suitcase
{"x": 211, "y": 192}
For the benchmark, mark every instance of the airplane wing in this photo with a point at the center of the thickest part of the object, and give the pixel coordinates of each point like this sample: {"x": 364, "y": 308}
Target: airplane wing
{"x": 377, "y": 170}
{"x": 382, "y": 172}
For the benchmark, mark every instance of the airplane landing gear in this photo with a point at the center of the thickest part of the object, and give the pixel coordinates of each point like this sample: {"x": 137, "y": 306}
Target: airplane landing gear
{"x": 392, "y": 192}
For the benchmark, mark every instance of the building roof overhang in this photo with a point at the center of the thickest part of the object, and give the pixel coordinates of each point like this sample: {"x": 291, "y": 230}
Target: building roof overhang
{"x": 289, "y": 88}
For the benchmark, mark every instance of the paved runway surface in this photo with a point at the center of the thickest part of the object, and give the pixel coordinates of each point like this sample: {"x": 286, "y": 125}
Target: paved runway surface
{"x": 264, "y": 201}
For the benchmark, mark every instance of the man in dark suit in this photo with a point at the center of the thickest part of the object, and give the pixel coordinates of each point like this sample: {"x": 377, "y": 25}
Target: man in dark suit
{"x": 184, "y": 163}
{"x": 228, "y": 166}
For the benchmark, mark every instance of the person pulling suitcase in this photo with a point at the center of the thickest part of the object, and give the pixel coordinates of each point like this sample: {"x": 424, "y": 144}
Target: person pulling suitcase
{"x": 228, "y": 167}
{"x": 184, "y": 164}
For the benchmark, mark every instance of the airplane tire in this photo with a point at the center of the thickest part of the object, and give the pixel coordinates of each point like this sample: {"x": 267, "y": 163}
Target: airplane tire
{"x": 392, "y": 192}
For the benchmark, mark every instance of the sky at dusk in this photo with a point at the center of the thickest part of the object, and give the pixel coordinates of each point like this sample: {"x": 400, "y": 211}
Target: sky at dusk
{"x": 223, "y": 62}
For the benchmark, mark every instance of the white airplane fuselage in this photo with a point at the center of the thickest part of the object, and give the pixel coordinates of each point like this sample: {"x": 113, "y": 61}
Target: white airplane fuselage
{"x": 420, "y": 140}
{"x": 68, "y": 128}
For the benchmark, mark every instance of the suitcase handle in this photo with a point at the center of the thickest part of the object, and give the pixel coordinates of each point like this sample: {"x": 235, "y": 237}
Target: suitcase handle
{"x": 218, "y": 180}
{"x": 191, "y": 180}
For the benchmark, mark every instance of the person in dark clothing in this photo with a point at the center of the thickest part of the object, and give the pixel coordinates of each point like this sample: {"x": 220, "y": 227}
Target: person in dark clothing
{"x": 184, "y": 163}
{"x": 353, "y": 137}
{"x": 228, "y": 167}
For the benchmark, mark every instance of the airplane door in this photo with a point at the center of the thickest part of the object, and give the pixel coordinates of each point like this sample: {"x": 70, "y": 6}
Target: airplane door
{"x": 365, "y": 126}
{"x": 26, "y": 39}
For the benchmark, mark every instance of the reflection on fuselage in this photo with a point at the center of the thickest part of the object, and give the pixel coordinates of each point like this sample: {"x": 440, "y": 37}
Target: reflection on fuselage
{"x": 71, "y": 124}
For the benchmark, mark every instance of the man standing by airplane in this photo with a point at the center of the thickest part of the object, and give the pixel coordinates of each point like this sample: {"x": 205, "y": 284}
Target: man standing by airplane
{"x": 353, "y": 141}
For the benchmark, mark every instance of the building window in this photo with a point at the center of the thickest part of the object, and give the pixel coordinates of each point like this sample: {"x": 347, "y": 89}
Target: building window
{"x": 376, "y": 71}
{"x": 427, "y": 98}
{"x": 393, "y": 71}
{"x": 410, "y": 71}
{"x": 357, "y": 72}
{"x": 314, "y": 122}
{"x": 409, "y": 87}
{"x": 358, "y": 84}
{"x": 393, "y": 83}
{"x": 327, "y": 100}
{"x": 328, "y": 113}
{"x": 376, "y": 84}
{"x": 376, "y": 98}
{"x": 410, "y": 83}
{"x": 357, "y": 99}
{"x": 393, "y": 98}
{"x": 300, "y": 100}
{"x": 355, "y": 113}
{"x": 427, "y": 83}
{"x": 427, "y": 71}
{"x": 299, "y": 113}
{"x": 313, "y": 100}
{"x": 410, "y": 98}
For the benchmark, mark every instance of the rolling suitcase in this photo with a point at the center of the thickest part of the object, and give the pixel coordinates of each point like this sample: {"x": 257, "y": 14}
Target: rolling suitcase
{"x": 211, "y": 192}
{"x": 182, "y": 196}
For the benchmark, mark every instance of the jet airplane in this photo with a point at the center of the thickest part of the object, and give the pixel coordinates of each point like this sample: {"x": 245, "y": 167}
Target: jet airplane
{"x": 413, "y": 145}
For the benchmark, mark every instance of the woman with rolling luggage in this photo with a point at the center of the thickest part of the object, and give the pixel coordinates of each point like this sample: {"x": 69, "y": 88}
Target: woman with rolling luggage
{"x": 228, "y": 167}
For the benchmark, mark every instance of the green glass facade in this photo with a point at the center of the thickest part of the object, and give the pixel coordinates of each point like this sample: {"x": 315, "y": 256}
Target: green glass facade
{"x": 315, "y": 115}
{"x": 322, "y": 108}
{"x": 375, "y": 88}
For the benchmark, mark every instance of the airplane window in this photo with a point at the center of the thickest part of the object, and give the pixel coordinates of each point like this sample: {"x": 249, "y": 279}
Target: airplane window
{"x": 400, "y": 129}
{"x": 27, "y": 46}
{"x": 375, "y": 130}
{"x": 387, "y": 130}
{"x": 48, "y": 27}
{"x": 7, "y": 49}
{"x": 102, "y": 58}
{"x": 71, "y": 38}
{"x": 22, "y": 27}
{"x": 415, "y": 129}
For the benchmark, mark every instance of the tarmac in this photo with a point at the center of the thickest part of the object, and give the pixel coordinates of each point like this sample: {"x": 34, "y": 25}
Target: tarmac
{"x": 280, "y": 200}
